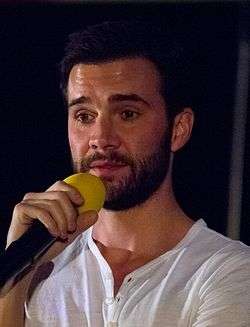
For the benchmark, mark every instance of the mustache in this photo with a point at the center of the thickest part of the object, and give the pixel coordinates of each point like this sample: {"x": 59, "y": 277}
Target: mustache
{"x": 114, "y": 157}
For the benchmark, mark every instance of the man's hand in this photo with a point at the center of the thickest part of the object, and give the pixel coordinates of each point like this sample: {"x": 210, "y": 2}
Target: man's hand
{"x": 57, "y": 210}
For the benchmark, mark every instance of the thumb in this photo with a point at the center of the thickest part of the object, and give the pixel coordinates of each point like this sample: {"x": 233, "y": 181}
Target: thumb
{"x": 85, "y": 220}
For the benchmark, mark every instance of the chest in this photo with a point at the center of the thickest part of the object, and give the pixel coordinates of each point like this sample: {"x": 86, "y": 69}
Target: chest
{"x": 121, "y": 270}
{"x": 119, "y": 276}
{"x": 86, "y": 300}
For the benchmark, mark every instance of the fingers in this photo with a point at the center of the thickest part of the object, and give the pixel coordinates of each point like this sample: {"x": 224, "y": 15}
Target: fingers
{"x": 26, "y": 213}
{"x": 72, "y": 192}
{"x": 56, "y": 209}
{"x": 59, "y": 205}
{"x": 85, "y": 220}
{"x": 49, "y": 212}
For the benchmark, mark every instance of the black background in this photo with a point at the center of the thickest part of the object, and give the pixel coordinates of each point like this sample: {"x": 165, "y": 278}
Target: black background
{"x": 33, "y": 121}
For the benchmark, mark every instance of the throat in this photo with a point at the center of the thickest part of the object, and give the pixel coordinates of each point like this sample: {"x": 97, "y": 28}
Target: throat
{"x": 121, "y": 271}
{"x": 133, "y": 247}
{"x": 121, "y": 262}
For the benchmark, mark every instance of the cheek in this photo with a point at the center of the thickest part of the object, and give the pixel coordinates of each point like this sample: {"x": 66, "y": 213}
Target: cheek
{"x": 78, "y": 142}
{"x": 147, "y": 141}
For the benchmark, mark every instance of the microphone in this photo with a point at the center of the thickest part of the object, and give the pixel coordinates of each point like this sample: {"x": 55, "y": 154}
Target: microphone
{"x": 23, "y": 253}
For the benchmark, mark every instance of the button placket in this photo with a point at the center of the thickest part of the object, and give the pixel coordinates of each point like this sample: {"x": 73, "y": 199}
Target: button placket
{"x": 109, "y": 301}
{"x": 112, "y": 305}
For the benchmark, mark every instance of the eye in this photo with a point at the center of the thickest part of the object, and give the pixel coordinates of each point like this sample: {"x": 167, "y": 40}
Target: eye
{"x": 129, "y": 115}
{"x": 85, "y": 117}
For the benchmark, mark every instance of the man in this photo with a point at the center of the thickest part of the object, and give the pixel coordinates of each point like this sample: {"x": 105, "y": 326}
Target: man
{"x": 143, "y": 262}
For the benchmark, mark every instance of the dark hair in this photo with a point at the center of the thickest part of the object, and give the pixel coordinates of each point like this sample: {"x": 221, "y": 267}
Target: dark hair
{"x": 109, "y": 41}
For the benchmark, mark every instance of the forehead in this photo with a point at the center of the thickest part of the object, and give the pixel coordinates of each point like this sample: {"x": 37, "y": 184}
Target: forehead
{"x": 129, "y": 74}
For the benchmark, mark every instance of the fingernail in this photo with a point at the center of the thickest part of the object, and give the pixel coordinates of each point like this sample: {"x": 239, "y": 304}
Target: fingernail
{"x": 72, "y": 227}
{"x": 79, "y": 198}
{"x": 64, "y": 235}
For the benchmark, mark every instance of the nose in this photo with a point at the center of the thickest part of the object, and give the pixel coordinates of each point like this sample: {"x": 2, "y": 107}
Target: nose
{"x": 104, "y": 135}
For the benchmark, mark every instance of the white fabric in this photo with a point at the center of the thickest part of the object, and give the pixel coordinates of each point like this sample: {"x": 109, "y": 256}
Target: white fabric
{"x": 203, "y": 282}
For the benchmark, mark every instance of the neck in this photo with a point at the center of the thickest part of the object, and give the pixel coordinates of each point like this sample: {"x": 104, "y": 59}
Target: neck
{"x": 147, "y": 230}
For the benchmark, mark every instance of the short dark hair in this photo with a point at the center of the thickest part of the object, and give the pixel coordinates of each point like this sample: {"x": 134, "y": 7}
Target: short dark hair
{"x": 114, "y": 40}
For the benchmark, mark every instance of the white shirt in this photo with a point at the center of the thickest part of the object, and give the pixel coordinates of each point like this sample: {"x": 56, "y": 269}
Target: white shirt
{"x": 203, "y": 282}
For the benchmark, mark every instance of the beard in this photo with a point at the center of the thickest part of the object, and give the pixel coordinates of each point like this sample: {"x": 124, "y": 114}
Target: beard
{"x": 146, "y": 176}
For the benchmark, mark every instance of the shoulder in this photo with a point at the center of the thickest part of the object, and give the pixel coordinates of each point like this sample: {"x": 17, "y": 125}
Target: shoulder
{"x": 222, "y": 279}
{"x": 216, "y": 247}
{"x": 215, "y": 258}
{"x": 225, "y": 263}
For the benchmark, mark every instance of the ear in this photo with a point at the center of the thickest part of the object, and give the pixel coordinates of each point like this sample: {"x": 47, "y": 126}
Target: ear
{"x": 182, "y": 129}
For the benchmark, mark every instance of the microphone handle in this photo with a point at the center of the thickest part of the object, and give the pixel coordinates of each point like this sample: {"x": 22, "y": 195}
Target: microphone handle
{"x": 23, "y": 252}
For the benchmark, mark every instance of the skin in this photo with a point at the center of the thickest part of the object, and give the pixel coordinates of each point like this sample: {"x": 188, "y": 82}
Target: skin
{"x": 100, "y": 120}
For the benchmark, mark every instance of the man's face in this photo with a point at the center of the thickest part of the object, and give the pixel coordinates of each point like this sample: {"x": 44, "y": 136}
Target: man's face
{"x": 118, "y": 128}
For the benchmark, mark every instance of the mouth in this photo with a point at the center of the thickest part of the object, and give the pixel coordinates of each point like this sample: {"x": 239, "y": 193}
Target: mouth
{"x": 105, "y": 167}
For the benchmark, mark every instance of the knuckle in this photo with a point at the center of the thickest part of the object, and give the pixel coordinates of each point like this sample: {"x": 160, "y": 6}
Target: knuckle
{"x": 62, "y": 195}
{"x": 64, "y": 198}
{"x": 58, "y": 183}
{"x": 71, "y": 217}
{"x": 73, "y": 213}
{"x": 54, "y": 206}
{"x": 28, "y": 196}
{"x": 56, "y": 186}
{"x": 19, "y": 206}
{"x": 43, "y": 213}
{"x": 58, "y": 195}
{"x": 53, "y": 202}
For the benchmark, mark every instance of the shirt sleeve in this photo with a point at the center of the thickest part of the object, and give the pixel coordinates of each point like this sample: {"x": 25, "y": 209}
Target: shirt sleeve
{"x": 224, "y": 299}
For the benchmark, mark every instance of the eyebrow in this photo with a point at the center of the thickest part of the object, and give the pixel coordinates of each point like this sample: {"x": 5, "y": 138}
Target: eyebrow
{"x": 127, "y": 97}
{"x": 80, "y": 100}
{"x": 113, "y": 98}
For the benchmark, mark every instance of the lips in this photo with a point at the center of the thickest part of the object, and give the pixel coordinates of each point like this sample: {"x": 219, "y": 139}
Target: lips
{"x": 104, "y": 164}
{"x": 106, "y": 169}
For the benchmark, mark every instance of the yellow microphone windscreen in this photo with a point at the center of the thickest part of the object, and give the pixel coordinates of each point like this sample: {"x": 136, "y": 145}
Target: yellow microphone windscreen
{"x": 91, "y": 188}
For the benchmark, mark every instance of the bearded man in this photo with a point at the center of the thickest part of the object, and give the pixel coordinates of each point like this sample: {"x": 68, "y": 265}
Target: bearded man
{"x": 142, "y": 261}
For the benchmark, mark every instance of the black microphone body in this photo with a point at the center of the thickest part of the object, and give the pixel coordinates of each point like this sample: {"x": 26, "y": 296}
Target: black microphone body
{"x": 23, "y": 252}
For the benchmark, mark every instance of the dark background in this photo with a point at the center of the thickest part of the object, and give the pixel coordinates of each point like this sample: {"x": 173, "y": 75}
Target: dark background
{"x": 33, "y": 122}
